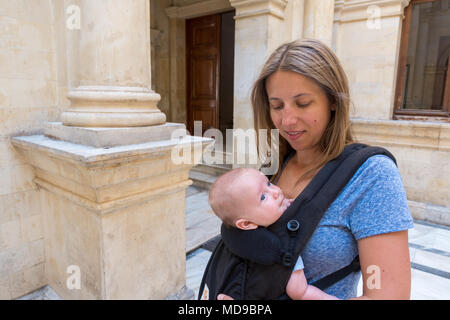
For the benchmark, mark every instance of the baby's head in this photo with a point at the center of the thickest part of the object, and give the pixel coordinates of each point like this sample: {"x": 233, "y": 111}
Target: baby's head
{"x": 244, "y": 198}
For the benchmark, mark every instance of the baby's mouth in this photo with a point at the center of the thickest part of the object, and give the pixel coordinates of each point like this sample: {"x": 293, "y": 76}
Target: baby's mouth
{"x": 285, "y": 203}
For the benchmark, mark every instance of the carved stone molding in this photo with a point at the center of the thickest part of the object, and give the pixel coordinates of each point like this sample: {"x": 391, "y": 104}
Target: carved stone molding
{"x": 199, "y": 9}
{"x": 354, "y": 10}
{"x": 250, "y": 8}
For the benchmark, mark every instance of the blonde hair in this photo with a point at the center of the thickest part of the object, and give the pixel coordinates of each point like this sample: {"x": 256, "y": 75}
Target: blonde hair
{"x": 224, "y": 198}
{"x": 312, "y": 59}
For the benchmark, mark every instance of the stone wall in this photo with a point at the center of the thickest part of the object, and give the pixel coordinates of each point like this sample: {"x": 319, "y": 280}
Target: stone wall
{"x": 422, "y": 151}
{"x": 367, "y": 45}
{"x": 32, "y": 92}
{"x": 421, "y": 148}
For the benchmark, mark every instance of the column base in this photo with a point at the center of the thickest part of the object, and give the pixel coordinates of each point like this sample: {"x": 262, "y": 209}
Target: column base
{"x": 113, "y": 137}
{"x": 105, "y": 119}
{"x": 113, "y": 106}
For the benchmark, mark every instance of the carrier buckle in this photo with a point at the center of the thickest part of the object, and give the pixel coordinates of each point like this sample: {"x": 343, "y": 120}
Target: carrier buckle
{"x": 293, "y": 225}
{"x": 287, "y": 259}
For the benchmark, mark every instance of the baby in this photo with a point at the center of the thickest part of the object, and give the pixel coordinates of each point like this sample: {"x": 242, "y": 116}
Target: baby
{"x": 245, "y": 199}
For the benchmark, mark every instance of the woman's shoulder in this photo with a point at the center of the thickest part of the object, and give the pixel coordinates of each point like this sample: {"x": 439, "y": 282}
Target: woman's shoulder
{"x": 377, "y": 199}
{"x": 378, "y": 177}
{"x": 377, "y": 167}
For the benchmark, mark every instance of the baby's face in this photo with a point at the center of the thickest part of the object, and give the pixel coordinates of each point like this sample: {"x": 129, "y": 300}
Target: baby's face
{"x": 264, "y": 202}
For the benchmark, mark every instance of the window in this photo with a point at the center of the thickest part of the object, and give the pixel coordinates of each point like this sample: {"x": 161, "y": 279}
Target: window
{"x": 423, "y": 82}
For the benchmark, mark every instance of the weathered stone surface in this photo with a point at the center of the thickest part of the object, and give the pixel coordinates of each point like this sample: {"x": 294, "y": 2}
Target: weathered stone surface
{"x": 118, "y": 214}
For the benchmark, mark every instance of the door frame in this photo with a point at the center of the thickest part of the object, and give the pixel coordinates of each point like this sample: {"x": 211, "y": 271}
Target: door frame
{"x": 177, "y": 40}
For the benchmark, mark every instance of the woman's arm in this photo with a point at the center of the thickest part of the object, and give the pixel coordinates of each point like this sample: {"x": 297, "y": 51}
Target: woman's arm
{"x": 385, "y": 266}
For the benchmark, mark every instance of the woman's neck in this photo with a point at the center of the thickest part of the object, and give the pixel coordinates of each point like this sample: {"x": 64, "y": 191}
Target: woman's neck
{"x": 307, "y": 158}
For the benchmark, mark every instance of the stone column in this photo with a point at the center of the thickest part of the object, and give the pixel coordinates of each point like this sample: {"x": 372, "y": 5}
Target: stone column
{"x": 260, "y": 29}
{"x": 318, "y": 20}
{"x": 112, "y": 183}
{"x": 111, "y": 60}
{"x": 371, "y": 66}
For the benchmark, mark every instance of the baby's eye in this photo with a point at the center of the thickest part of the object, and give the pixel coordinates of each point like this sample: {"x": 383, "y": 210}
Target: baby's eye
{"x": 268, "y": 184}
{"x": 263, "y": 196}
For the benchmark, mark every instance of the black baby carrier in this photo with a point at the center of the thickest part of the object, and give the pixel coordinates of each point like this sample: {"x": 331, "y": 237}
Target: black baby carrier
{"x": 257, "y": 264}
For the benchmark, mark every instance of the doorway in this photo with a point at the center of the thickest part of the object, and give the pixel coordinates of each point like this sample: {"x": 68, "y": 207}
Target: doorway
{"x": 210, "y": 71}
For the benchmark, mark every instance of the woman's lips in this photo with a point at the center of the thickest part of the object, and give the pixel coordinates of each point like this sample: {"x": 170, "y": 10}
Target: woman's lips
{"x": 294, "y": 135}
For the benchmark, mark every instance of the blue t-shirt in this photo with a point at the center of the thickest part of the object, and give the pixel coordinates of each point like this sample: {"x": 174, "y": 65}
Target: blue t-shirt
{"x": 373, "y": 202}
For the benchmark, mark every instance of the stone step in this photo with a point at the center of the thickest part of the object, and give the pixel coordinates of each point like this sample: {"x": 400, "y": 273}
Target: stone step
{"x": 212, "y": 169}
{"x": 204, "y": 176}
{"x": 202, "y": 180}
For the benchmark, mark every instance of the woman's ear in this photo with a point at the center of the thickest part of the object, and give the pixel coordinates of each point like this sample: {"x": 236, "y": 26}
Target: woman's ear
{"x": 333, "y": 107}
{"x": 245, "y": 224}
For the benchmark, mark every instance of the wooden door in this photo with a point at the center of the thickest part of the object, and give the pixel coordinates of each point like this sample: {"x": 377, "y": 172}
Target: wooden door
{"x": 203, "y": 68}
{"x": 446, "y": 98}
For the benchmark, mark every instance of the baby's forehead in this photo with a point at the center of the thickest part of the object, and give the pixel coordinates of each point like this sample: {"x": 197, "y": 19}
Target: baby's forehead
{"x": 255, "y": 174}
{"x": 252, "y": 177}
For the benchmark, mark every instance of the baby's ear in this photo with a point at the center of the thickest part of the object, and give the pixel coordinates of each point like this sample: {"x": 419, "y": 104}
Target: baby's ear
{"x": 245, "y": 224}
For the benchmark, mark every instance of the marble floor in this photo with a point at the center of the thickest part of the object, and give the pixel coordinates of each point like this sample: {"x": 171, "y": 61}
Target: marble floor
{"x": 429, "y": 250}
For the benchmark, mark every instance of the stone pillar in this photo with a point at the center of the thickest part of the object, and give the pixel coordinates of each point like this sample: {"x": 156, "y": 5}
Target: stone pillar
{"x": 112, "y": 185}
{"x": 318, "y": 20}
{"x": 111, "y": 60}
{"x": 371, "y": 66}
{"x": 260, "y": 29}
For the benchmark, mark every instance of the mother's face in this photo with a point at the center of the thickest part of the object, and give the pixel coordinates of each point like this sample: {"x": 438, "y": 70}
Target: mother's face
{"x": 299, "y": 108}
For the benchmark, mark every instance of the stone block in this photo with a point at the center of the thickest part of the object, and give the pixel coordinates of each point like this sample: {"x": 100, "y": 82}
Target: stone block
{"x": 19, "y": 32}
{"x": 16, "y": 179}
{"x": 118, "y": 214}
{"x": 32, "y": 228}
{"x": 27, "y": 64}
{"x": 111, "y": 137}
{"x": 11, "y": 234}
{"x": 27, "y": 280}
{"x": 8, "y": 155}
{"x": 27, "y": 93}
{"x": 19, "y": 205}
{"x": 5, "y": 292}
{"x": 17, "y": 121}
{"x": 72, "y": 239}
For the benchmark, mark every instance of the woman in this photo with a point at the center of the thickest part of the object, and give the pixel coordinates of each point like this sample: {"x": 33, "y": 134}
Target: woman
{"x": 303, "y": 92}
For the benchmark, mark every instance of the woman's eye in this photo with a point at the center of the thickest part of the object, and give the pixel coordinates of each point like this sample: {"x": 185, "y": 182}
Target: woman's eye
{"x": 263, "y": 196}
{"x": 300, "y": 105}
{"x": 276, "y": 107}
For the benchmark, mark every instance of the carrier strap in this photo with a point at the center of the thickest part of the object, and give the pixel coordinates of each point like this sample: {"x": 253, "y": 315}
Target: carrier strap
{"x": 331, "y": 279}
{"x": 267, "y": 248}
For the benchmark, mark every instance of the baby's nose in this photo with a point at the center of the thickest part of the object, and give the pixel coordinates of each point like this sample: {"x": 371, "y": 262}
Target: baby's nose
{"x": 275, "y": 191}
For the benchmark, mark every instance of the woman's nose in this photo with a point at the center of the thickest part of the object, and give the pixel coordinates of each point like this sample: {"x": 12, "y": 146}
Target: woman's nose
{"x": 288, "y": 116}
